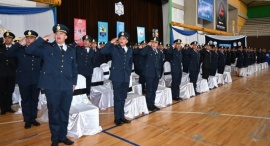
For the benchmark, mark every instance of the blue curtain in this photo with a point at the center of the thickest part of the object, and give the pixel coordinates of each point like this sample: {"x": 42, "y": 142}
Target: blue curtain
{"x": 25, "y": 10}
{"x": 183, "y": 32}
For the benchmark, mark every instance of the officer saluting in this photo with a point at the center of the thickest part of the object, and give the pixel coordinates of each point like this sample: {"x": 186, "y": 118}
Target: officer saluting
{"x": 152, "y": 71}
{"x": 28, "y": 71}
{"x": 7, "y": 75}
{"x": 58, "y": 78}
{"x": 120, "y": 73}
{"x": 176, "y": 68}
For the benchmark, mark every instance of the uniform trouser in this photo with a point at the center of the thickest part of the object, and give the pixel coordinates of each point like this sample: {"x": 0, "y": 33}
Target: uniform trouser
{"x": 213, "y": 71}
{"x": 58, "y": 103}
{"x": 151, "y": 88}
{"x": 29, "y": 95}
{"x": 7, "y": 85}
{"x": 120, "y": 90}
{"x": 176, "y": 81}
{"x": 185, "y": 68}
{"x": 221, "y": 69}
{"x": 205, "y": 73}
{"x": 142, "y": 79}
{"x": 88, "y": 84}
{"x": 193, "y": 76}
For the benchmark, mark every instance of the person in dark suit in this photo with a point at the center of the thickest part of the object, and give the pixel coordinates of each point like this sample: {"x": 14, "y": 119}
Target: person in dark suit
{"x": 120, "y": 73}
{"x": 233, "y": 55}
{"x": 228, "y": 57}
{"x": 205, "y": 59}
{"x": 246, "y": 59}
{"x": 185, "y": 58}
{"x": 167, "y": 56}
{"x": 240, "y": 59}
{"x": 7, "y": 74}
{"x": 27, "y": 76}
{"x": 58, "y": 78}
{"x": 153, "y": 71}
{"x": 84, "y": 57}
{"x": 176, "y": 68}
{"x": 96, "y": 56}
{"x": 221, "y": 60}
{"x": 214, "y": 60}
{"x": 194, "y": 64}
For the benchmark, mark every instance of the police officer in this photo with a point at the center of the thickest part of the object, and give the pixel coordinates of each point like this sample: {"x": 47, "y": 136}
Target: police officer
{"x": 120, "y": 73}
{"x": 176, "y": 68}
{"x": 221, "y": 60}
{"x": 84, "y": 57}
{"x": 153, "y": 71}
{"x": 240, "y": 59}
{"x": 194, "y": 64}
{"x": 168, "y": 57}
{"x": 58, "y": 78}
{"x": 96, "y": 55}
{"x": 185, "y": 58}
{"x": 206, "y": 61}
{"x": 27, "y": 76}
{"x": 7, "y": 75}
{"x": 228, "y": 57}
{"x": 214, "y": 60}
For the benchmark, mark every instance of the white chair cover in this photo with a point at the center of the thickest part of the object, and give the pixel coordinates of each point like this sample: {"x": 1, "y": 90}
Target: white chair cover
{"x": 167, "y": 77}
{"x": 102, "y": 95}
{"x": 163, "y": 96}
{"x": 106, "y": 69}
{"x": 134, "y": 75}
{"x": 220, "y": 78}
{"x": 135, "y": 103}
{"x": 16, "y": 97}
{"x": 109, "y": 63}
{"x": 228, "y": 68}
{"x": 233, "y": 68}
{"x": 227, "y": 77}
{"x": 212, "y": 82}
{"x": 186, "y": 90}
{"x": 185, "y": 77}
{"x": 202, "y": 85}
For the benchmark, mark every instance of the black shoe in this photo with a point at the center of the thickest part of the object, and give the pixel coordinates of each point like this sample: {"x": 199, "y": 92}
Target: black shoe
{"x": 67, "y": 141}
{"x": 125, "y": 120}
{"x": 27, "y": 125}
{"x": 118, "y": 122}
{"x": 156, "y": 108}
{"x": 11, "y": 111}
{"x": 197, "y": 93}
{"x": 35, "y": 123}
{"x": 150, "y": 108}
{"x": 176, "y": 99}
{"x": 54, "y": 144}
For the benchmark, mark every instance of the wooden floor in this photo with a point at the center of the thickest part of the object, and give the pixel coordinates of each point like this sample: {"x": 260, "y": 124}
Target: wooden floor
{"x": 235, "y": 114}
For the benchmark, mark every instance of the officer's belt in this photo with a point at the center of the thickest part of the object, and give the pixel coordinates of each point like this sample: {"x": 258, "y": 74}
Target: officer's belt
{"x": 106, "y": 73}
{"x": 97, "y": 83}
{"x": 76, "y": 92}
{"x": 167, "y": 73}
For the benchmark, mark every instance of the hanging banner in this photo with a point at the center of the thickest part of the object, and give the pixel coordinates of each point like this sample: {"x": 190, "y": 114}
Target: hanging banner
{"x": 102, "y": 31}
{"x": 226, "y": 41}
{"x": 141, "y": 34}
{"x": 119, "y": 9}
{"x": 79, "y": 30}
{"x": 206, "y": 9}
{"x": 221, "y": 13}
{"x": 120, "y": 27}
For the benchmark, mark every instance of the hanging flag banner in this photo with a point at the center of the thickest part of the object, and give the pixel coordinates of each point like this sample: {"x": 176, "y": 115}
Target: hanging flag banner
{"x": 141, "y": 34}
{"x": 221, "y": 13}
{"x": 102, "y": 31}
{"x": 206, "y": 9}
{"x": 79, "y": 30}
{"x": 119, "y": 9}
{"x": 120, "y": 27}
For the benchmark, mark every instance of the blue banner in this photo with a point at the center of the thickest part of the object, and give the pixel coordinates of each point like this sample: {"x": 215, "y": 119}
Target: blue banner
{"x": 102, "y": 31}
{"x": 141, "y": 34}
{"x": 120, "y": 27}
{"x": 206, "y": 9}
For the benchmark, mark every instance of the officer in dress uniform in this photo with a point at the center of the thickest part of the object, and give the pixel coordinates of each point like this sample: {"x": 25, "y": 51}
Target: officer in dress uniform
{"x": 246, "y": 59}
{"x": 221, "y": 60}
{"x": 153, "y": 71}
{"x": 206, "y": 61}
{"x": 233, "y": 55}
{"x": 96, "y": 56}
{"x": 84, "y": 57}
{"x": 27, "y": 76}
{"x": 120, "y": 73}
{"x": 167, "y": 56}
{"x": 7, "y": 74}
{"x": 240, "y": 59}
{"x": 58, "y": 78}
{"x": 185, "y": 58}
{"x": 228, "y": 57}
{"x": 176, "y": 68}
{"x": 194, "y": 64}
{"x": 214, "y": 60}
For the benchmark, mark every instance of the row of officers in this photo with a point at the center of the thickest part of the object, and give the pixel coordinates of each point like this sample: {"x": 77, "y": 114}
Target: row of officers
{"x": 53, "y": 67}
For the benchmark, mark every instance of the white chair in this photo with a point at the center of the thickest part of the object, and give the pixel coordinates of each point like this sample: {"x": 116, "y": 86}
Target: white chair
{"x": 163, "y": 96}
{"x": 16, "y": 98}
{"x": 167, "y": 74}
{"x": 135, "y": 103}
{"x": 202, "y": 85}
{"x": 212, "y": 82}
{"x": 185, "y": 77}
{"x": 101, "y": 94}
{"x": 227, "y": 77}
{"x": 135, "y": 77}
{"x": 109, "y": 63}
{"x": 228, "y": 68}
{"x": 186, "y": 90}
{"x": 106, "y": 70}
{"x": 220, "y": 78}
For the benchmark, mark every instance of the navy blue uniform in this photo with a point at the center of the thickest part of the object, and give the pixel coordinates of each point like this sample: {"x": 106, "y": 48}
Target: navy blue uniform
{"x": 233, "y": 57}
{"x": 140, "y": 67}
{"x": 7, "y": 79}
{"x": 27, "y": 76}
{"x": 240, "y": 59}
{"x": 120, "y": 75}
{"x": 193, "y": 66}
{"x": 206, "y": 63}
{"x": 246, "y": 59}
{"x": 214, "y": 63}
{"x": 228, "y": 58}
{"x": 221, "y": 62}
{"x": 152, "y": 73}
{"x": 96, "y": 58}
{"x": 185, "y": 60}
{"x": 176, "y": 71}
{"x": 57, "y": 77}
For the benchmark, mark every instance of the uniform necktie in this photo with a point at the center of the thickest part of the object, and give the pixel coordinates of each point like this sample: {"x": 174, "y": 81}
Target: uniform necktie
{"x": 62, "y": 50}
